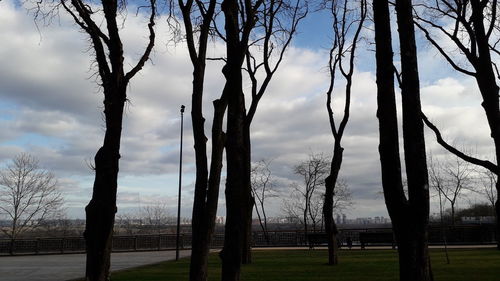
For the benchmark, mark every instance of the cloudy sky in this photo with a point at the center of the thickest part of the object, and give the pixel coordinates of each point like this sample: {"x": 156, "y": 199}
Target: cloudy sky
{"x": 51, "y": 107}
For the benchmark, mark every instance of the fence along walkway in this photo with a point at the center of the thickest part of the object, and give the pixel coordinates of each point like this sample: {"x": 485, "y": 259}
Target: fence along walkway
{"x": 476, "y": 234}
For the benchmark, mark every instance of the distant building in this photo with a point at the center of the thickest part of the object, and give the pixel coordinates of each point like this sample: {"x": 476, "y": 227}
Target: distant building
{"x": 478, "y": 220}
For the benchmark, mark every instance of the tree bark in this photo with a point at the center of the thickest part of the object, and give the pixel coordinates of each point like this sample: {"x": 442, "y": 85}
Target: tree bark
{"x": 246, "y": 257}
{"x": 235, "y": 149}
{"x": 100, "y": 212}
{"x": 476, "y": 49}
{"x": 207, "y": 183}
{"x": 236, "y": 182}
{"x": 330, "y": 226}
{"x": 238, "y": 189}
{"x": 249, "y": 200}
{"x": 497, "y": 209}
{"x": 200, "y": 234}
{"x": 342, "y": 35}
{"x": 486, "y": 80}
{"x": 409, "y": 216}
{"x": 206, "y": 187}
{"x": 414, "y": 149}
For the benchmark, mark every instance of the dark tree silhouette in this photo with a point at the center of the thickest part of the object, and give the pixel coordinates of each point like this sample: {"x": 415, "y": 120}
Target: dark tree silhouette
{"x": 348, "y": 19}
{"x": 277, "y": 21}
{"x": 238, "y": 190}
{"x": 409, "y": 215}
{"x": 474, "y": 32}
{"x": 207, "y": 181}
{"x": 98, "y": 19}
{"x": 241, "y": 20}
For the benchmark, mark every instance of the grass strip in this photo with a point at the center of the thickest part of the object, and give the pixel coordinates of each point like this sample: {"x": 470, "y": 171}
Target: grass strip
{"x": 355, "y": 265}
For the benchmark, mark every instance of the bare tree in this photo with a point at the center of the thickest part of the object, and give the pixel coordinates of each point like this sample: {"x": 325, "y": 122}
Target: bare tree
{"x": 436, "y": 181}
{"x": 240, "y": 21}
{"x": 348, "y": 18}
{"x": 29, "y": 195}
{"x": 198, "y": 17}
{"x": 409, "y": 214}
{"x": 472, "y": 28}
{"x": 276, "y": 26}
{"x": 305, "y": 201}
{"x": 240, "y": 18}
{"x": 488, "y": 182}
{"x": 342, "y": 199}
{"x": 156, "y": 216}
{"x": 126, "y": 222}
{"x": 305, "y": 208}
{"x": 293, "y": 205}
{"x": 450, "y": 178}
{"x": 263, "y": 187}
{"x": 100, "y": 20}
{"x": 313, "y": 172}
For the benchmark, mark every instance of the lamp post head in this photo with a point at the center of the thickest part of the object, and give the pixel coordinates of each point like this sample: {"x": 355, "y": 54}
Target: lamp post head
{"x": 182, "y": 108}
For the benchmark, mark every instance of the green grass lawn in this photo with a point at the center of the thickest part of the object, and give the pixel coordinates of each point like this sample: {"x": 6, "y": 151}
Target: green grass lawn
{"x": 355, "y": 265}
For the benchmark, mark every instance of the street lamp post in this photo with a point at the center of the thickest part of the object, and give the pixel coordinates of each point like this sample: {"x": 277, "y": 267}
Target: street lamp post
{"x": 179, "y": 197}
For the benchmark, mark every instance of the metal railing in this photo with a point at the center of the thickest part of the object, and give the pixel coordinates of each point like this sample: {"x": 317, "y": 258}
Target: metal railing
{"x": 477, "y": 234}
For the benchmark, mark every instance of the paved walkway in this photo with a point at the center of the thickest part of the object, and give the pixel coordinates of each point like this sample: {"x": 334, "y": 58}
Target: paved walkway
{"x": 71, "y": 266}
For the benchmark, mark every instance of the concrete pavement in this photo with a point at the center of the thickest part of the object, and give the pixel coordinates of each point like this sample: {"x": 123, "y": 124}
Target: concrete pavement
{"x": 71, "y": 266}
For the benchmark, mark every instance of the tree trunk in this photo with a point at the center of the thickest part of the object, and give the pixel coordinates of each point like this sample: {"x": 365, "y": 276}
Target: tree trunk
{"x": 100, "y": 212}
{"x": 246, "y": 257}
{"x": 266, "y": 233}
{"x": 453, "y": 214}
{"x": 306, "y": 230}
{"x": 414, "y": 264}
{"x": 409, "y": 216}
{"x": 250, "y": 201}
{"x": 486, "y": 80}
{"x": 13, "y": 235}
{"x": 206, "y": 187}
{"x": 262, "y": 220}
{"x": 238, "y": 184}
{"x": 236, "y": 180}
{"x": 414, "y": 151}
{"x": 330, "y": 226}
{"x": 206, "y": 194}
{"x": 497, "y": 209}
{"x": 199, "y": 248}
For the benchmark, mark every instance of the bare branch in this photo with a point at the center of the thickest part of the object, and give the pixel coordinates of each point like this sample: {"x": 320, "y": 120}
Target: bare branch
{"x": 442, "y": 51}
{"x": 483, "y": 163}
{"x": 151, "y": 43}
